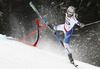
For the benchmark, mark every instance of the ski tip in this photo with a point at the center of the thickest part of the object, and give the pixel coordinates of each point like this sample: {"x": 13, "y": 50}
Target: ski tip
{"x": 31, "y": 3}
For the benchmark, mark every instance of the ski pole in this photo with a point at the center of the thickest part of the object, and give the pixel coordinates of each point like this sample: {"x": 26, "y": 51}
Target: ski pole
{"x": 92, "y": 23}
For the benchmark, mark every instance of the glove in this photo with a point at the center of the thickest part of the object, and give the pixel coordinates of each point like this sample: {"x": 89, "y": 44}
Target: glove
{"x": 82, "y": 25}
{"x": 50, "y": 25}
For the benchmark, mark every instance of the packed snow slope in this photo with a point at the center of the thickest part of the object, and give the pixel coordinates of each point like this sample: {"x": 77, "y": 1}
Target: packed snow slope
{"x": 16, "y": 55}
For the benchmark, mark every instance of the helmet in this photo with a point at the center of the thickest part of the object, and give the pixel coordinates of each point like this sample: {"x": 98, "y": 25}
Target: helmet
{"x": 71, "y": 10}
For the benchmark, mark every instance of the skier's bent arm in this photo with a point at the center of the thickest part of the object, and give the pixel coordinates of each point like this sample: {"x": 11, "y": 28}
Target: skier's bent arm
{"x": 80, "y": 24}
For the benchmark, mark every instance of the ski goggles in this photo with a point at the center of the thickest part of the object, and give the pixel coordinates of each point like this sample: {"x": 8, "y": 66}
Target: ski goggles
{"x": 70, "y": 13}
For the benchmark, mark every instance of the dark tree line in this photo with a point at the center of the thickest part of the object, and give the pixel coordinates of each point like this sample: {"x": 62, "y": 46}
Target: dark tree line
{"x": 21, "y": 9}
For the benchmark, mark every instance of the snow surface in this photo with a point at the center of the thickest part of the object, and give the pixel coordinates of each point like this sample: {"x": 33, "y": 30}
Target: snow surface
{"x": 16, "y": 55}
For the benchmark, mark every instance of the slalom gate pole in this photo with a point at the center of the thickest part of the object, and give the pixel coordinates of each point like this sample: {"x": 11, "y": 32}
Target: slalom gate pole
{"x": 33, "y": 32}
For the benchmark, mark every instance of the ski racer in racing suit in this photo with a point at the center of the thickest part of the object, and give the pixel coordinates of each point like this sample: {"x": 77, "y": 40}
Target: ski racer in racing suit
{"x": 67, "y": 28}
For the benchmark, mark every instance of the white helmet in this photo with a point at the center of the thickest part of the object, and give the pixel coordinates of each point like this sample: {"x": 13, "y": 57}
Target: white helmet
{"x": 71, "y": 10}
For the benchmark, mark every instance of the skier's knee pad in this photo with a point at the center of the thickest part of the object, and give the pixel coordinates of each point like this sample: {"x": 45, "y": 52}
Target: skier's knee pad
{"x": 67, "y": 48}
{"x": 66, "y": 45}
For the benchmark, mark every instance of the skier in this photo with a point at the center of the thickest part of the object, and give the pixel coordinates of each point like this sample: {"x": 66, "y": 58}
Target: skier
{"x": 67, "y": 28}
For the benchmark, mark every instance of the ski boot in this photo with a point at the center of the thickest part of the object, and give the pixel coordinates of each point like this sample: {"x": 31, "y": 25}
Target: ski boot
{"x": 52, "y": 28}
{"x": 71, "y": 60}
{"x": 50, "y": 25}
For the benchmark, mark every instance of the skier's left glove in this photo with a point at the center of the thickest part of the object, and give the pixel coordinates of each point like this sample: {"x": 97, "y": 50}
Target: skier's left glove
{"x": 82, "y": 25}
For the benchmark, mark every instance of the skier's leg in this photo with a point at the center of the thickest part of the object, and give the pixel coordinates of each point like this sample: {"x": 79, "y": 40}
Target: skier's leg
{"x": 56, "y": 28}
{"x": 66, "y": 40}
{"x": 67, "y": 47}
{"x": 59, "y": 27}
{"x": 68, "y": 50}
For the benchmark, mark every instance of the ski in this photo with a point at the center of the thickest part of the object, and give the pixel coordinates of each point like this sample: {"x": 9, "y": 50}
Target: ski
{"x": 49, "y": 26}
{"x": 34, "y": 8}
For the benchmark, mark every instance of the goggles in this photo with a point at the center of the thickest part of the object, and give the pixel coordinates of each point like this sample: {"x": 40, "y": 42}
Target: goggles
{"x": 70, "y": 13}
